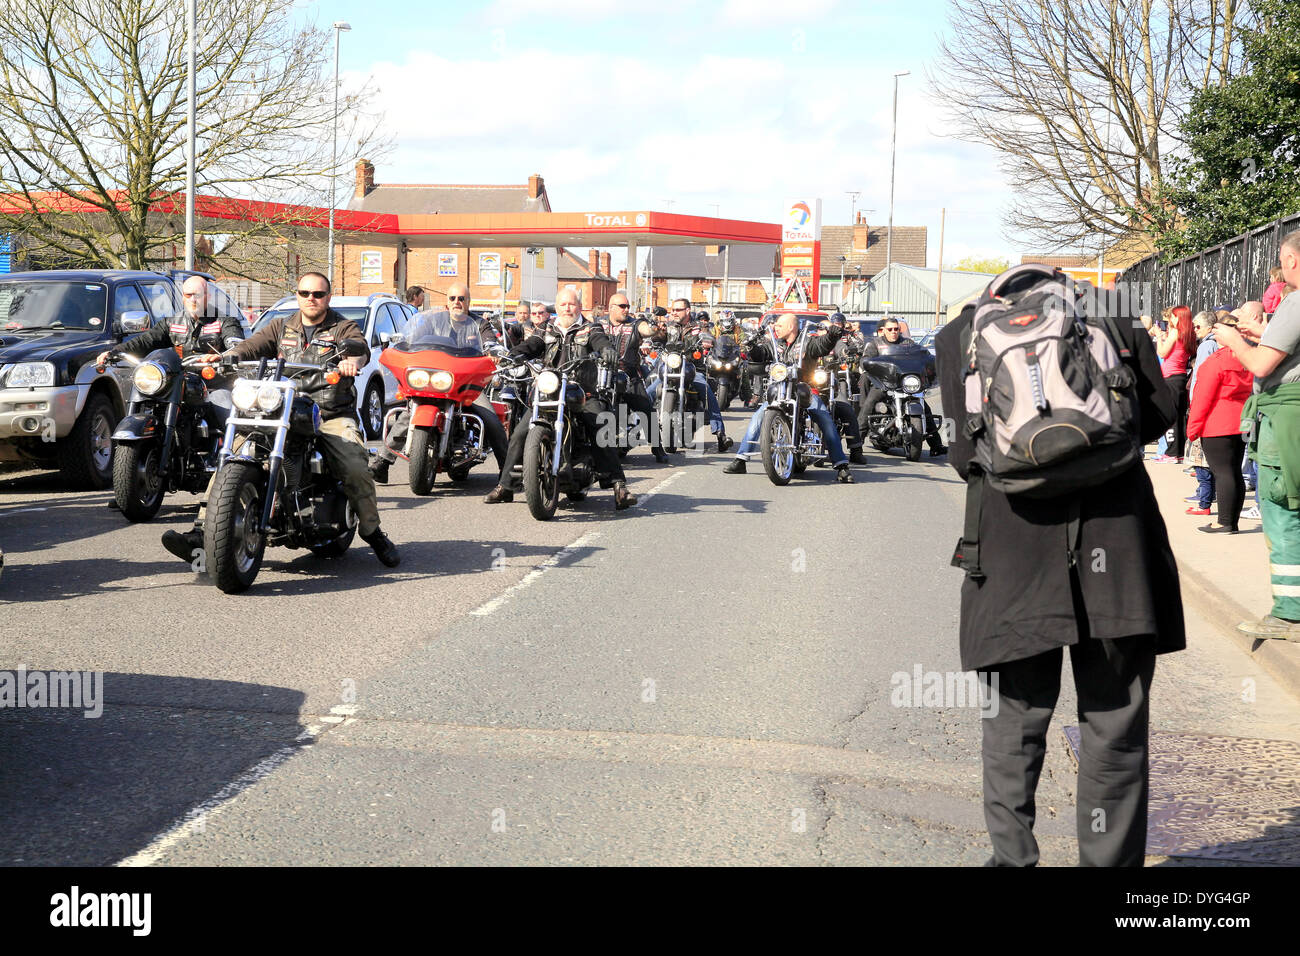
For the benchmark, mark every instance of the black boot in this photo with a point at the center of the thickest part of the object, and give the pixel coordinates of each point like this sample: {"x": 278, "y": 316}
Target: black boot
{"x": 938, "y": 450}
{"x": 379, "y": 470}
{"x": 184, "y": 545}
{"x": 724, "y": 442}
{"x": 622, "y": 497}
{"x": 384, "y": 549}
{"x": 499, "y": 494}
{"x": 734, "y": 467}
{"x": 844, "y": 475}
{"x": 856, "y": 457}
{"x": 660, "y": 456}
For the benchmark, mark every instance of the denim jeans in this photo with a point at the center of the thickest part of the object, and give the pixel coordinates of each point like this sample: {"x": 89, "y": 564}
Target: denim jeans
{"x": 702, "y": 384}
{"x": 1204, "y": 486}
{"x": 819, "y": 414}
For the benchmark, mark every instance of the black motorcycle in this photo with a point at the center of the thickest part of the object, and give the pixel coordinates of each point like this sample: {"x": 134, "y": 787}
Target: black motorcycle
{"x": 275, "y": 488}
{"x": 900, "y": 419}
{"x": 557, "y": 452}
{"x": 627, "y": 427}
{"x": 165, "y": 443}
{"x": 680, "y": 404}
{"x": 726, "y": 371}
{"x": 789, "y": 441}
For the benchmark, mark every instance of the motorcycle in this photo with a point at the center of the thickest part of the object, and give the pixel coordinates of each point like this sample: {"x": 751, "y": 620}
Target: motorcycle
{"x": 789, "y": 440}
{"x": 611, "y": 385}
{"x": 901, "y": 419}
{"x": 440, "y": 382}
{"x": 680, "y": 404}
{"x": 164, "y": 443}
{"x": 557, "y": 457}
{"x": 726, "y": 369}
{"x": 275, "y": 489}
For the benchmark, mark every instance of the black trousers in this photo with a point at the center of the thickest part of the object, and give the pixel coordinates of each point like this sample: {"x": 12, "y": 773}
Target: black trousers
{"x": 606, "y": 459}
{"x": 638, "y": 401}
{"x": 1223, "y": 456}
{"x": 847, "y": 424}
{"x": 1113, "y": 681}
{"x": 1178, "y": 386}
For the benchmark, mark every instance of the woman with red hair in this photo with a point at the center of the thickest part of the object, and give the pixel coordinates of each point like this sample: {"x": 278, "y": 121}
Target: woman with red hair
{"x": 1176, "y": 346}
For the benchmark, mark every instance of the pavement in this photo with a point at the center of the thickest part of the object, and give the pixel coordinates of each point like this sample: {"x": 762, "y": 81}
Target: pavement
{"x": 1227, "y": 576}
{"x": 712, "y": 677}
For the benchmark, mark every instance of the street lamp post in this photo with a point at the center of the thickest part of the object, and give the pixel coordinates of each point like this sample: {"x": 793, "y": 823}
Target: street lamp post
{"x": 191, "y": 18}
{"x": 843, "y": 260}
{"x": 889, "y": 236}
{"x": 339, "y": 27}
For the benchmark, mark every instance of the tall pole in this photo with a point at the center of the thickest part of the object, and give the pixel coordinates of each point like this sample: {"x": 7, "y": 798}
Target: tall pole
{"x": 889, "y": 236}
{"x": 191, "y": 20}
{"x": 339, "y": 27}
{"x": 853, "y": 195}
{"x": 938, "y": 291}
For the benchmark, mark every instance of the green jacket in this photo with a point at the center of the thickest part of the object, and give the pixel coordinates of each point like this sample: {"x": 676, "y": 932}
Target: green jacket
{"x": 1275, "y": 441}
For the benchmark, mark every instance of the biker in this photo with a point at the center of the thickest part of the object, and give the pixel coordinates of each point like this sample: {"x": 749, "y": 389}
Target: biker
{"x": 626, "y": 337}
{"x": 890, "y": 333}
{"x": 681, "y": 310}
{"x": 455, "y": 323}
{"x": 569, "y": 339}
{"x": 782, "y": 346}
{"x": 305, "y": 337}
{"x": 846, "y": 353}
{"x": 183, "y": 331}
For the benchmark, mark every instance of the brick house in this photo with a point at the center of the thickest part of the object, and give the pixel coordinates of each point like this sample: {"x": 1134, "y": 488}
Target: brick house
{"x": 591, "y": 279}
{"x": 864, "y": 250}
{"x": 360, "y": 269}
{"x": 739, "y": 276}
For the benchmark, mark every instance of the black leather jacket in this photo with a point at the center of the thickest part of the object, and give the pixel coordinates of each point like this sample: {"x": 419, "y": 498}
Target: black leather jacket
{"x": 583, "y": 340}
{"x": 815, "y": 348}
{"x": 185, "y": 332}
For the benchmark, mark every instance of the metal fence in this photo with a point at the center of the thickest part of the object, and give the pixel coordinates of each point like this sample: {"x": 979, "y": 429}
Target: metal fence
{"x": 1230, "y": 273}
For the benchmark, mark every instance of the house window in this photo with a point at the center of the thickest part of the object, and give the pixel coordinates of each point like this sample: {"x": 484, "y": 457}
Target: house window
{"x": 736, "y": 290}
{"x": 829, "y": 293}
{"x": 679, "y": 289}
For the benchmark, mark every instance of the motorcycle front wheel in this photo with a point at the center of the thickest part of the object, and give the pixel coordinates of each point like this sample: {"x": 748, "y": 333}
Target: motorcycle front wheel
{"x": 423, "y": 464}
{"x": 724, "y": 396}
{"x": 137, "y": 484}
{"x": 541, "y": 488}
{"x": 776, "y": 443}
{"x": 231, "y": 540}
{"x": 912, "y": 441}
{"x": 666, "y": 422}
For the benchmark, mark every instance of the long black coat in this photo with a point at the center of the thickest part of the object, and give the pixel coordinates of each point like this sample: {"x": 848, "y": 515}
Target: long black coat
{"x": 1126, "y": 581}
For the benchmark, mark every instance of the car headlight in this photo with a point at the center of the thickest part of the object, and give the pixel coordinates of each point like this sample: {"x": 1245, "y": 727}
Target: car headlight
{"x": 911, "y": 383}
{"x": 269, "y": 398}
{"x": 149, "y": 378}
{"x": 441, "y": 381}
{"x": 31, "y": 375}
{"x": 548, "y": 383}
{"x": 779, "y": 373}
{"x": 418, "y": 378}
{"x": 821, "y": 377}
{"x": 673, "y": 360}
{"x": 244, "y": 395}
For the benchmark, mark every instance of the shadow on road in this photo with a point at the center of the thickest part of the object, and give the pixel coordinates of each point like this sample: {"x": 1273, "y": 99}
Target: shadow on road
{"x": 76, "y": 791}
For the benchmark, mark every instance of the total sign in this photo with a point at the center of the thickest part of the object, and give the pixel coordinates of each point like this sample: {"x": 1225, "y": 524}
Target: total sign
{"x": 626, "y": 220}
{"x": 801, "y": 245}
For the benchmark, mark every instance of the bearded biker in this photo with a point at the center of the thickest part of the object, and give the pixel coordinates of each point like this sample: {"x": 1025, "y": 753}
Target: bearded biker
{"x": 889, "y": 335}
{"x": 681, "y": 315}
{"x": 783, "y": 345}
{"x": 568, "y": 339}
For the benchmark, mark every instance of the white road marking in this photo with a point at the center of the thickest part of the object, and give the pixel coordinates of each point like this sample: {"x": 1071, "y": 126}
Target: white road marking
{"x": 20, "y": 511}
{"x": 532, "y": 576}
{"x": 659, "y": 487}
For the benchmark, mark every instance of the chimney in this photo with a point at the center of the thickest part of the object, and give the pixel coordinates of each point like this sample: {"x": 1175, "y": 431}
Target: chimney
{"x": 535, "y": 186}
{"x": 365, "y": 178}
{"x": 622, "y": 278}
{"x": 604, "y": 263}
{"x": 861, "y": 234}
{"x": 593, "y": 260}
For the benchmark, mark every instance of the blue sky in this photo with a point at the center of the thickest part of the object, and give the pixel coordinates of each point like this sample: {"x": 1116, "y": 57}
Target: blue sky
{"x": 739, "y": 104}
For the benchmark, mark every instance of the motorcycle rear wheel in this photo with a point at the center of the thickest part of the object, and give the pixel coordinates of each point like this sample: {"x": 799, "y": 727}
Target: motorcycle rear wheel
{"x": 233, "y": 545}
{"x": 137, "y": 484}
{"x": 541, "y": 488}
{"x": 422, "y": 467}
{"x": 339, "y": 546}
{"x": 775, "y": 431}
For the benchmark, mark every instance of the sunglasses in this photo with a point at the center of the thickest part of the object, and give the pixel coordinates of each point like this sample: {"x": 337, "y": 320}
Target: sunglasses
{"x": 457, "y": 298}
{"x": 304, "y": 294}
{"x": 621, "y": 305}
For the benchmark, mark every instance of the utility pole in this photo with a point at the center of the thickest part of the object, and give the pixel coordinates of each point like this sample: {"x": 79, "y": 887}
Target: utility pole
{"x": 938, "y": 291}
{"x": 339, "y": 27}
{"x": 853, "y": 195}
{"x": 889, "y": 237}
{"x": 191, "y": 27}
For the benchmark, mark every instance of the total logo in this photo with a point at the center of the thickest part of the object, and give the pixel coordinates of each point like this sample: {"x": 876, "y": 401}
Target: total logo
{"x": 799, "y": 214}
{"x": 597, "y": 220}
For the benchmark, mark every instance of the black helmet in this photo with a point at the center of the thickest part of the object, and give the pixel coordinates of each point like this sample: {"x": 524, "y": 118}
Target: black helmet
{"x": 660, "y": 311}
{"x": 838, "y": 318}
{"x": 703, "y": 316}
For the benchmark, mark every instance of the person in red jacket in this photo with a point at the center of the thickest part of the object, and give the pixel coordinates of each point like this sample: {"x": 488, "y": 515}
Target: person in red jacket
{"x": 1222, "y": 387}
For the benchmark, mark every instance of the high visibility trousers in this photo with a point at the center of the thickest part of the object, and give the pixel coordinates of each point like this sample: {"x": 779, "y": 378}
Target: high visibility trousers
{"x": 1282, "y": 535}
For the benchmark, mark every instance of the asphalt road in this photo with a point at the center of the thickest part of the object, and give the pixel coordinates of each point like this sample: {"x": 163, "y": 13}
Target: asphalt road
{"x": 711, "y": 677}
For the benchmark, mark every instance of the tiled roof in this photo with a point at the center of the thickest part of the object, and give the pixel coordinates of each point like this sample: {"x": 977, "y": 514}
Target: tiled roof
{"x": 909, "y": 249}
{"x": 744, "y": 261}
{"x": 411, "y": 200}
{"x": 573, "y": 269}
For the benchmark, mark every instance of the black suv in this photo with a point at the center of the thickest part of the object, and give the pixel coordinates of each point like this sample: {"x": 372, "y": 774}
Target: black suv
{"x": 56, "y": 410}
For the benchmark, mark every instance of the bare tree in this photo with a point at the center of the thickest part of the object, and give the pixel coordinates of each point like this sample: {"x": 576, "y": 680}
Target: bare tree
{"x": 93, "y": 116}
{"x": 1082, "y": 99}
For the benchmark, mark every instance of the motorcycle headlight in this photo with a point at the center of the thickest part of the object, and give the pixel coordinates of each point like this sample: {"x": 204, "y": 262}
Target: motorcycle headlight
{"x": 715, "y": 363}
{"x": 821, "y": 377}
{"x": 269, "y": 398}
{"x": 149, "y": 378}
{"x": 779, "y": 373}
{"x": 244, "y": 395}
{"x": 31, "y": 375}
{"x": 548, "y": 383}
{"x": 441, "y": 381}
{"x": 727, "y": 366}
{"x": 673, "y": 360}
{"x": 417, "y": 378}
{"x": 911, "y": 383}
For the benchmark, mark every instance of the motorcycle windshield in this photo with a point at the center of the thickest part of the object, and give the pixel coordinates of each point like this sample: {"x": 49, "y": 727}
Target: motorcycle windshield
{"x": 895, "y": 361}
{"x": 438, "y": 331}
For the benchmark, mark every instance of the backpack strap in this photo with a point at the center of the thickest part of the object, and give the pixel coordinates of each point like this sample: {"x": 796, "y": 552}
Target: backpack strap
{"x": 967, "y": 553}
{"x": 1113, "y": 331}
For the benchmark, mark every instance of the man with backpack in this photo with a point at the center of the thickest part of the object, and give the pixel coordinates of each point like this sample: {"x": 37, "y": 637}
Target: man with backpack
{"x": 1063, "y": 546}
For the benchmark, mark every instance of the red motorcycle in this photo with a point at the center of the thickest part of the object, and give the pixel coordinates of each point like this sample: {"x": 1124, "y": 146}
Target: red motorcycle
{"x": 440, "y": 377}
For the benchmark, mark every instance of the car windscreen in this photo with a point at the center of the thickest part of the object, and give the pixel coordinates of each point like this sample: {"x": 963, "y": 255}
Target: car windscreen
{"x": 52, "y": 304}
{"x": 357, "y": 314}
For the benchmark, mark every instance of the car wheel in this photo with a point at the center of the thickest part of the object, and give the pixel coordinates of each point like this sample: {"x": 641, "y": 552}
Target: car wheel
{"x": 372, "y": 409}
{"x": 86, "y": 454}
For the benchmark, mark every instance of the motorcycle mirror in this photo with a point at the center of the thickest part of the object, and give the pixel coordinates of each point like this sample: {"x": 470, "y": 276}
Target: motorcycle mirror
{"x": 133, "y": 321}
{"x": 385, "y": 339}
{"x": 234, "y": 340}
{"x": 353, "y": 348}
